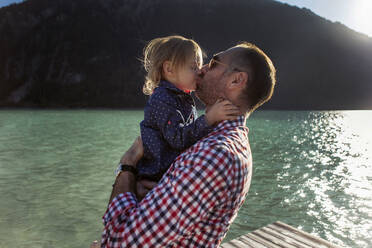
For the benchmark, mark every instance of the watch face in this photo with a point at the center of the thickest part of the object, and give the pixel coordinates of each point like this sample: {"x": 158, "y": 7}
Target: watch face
{"x": 123, "y": 167}
{"x": 118, "y": 169}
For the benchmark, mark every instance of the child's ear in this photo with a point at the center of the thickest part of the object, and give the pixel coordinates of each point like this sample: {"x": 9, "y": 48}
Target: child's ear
{"x": 167, "y": 68}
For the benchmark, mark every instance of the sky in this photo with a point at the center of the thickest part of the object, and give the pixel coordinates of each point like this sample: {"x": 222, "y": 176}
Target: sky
{"x": 7, "y": 2}
{"x": 356, "y": 14}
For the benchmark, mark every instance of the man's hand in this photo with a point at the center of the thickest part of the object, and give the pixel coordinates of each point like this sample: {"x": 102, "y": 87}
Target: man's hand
{"x": 131, "y": 157}
{"x": 134, "y": 153}
{"x": 143, "y": 187}
{"x": 221, "y": 110}
{"x": 126, "y": 181}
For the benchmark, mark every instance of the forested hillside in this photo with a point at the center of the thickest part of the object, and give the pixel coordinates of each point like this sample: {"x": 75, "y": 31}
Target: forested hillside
{"x": 68, "y": 53}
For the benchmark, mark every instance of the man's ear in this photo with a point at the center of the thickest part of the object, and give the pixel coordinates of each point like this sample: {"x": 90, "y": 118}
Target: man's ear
{"x": 240, "y": 80}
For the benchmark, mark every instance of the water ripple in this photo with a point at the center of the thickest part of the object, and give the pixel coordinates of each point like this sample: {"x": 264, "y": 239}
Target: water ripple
{"x": 312, "y": 170}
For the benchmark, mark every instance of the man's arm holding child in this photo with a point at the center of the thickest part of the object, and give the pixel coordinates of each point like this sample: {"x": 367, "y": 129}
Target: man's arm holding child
{"x": 126, "y": 181}
{"x": 164, "y": 214}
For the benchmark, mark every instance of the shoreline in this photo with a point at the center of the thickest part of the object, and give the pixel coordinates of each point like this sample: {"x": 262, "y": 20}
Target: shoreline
{"x": 141, "y": 109}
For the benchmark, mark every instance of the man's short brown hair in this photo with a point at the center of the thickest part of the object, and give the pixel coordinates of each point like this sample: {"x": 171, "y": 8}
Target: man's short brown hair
{"x": 261, "y": 75}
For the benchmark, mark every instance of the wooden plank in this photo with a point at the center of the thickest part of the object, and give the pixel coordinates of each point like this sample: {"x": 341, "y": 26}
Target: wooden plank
{"x": 321, "y": 242}
{"x": 273, "y": 239}
{"x": 237, "y": 244}
{"x": 284, "y": 237}
{"x": 278, "y": 235}
{"x": 305, "y": 241}
{"x": 262, "y": 241}
{"x": 231, "y": 244}
{"x": 249, "y": 241}
{"x": 246, "y": 243}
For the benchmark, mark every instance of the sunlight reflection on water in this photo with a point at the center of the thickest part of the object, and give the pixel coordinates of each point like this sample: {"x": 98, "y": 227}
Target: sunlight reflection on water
{"x": 313, "y": 170}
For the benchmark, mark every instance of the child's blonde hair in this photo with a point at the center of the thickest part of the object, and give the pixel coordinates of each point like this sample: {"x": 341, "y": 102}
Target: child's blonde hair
{"x": 176, "y": 49}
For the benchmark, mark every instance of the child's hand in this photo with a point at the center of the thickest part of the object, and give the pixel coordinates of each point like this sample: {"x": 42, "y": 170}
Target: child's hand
{"x": 221, "y": 110}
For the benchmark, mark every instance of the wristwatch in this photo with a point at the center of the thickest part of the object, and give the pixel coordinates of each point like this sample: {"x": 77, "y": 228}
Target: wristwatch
{"x": 126, "y": 167}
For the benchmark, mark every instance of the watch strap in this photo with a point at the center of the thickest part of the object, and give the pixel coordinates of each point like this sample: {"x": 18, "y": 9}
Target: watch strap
{"x": 126, "y": 167}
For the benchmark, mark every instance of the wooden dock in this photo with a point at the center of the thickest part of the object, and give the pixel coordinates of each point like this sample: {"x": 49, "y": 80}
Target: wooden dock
{"x": 278, "y": 235}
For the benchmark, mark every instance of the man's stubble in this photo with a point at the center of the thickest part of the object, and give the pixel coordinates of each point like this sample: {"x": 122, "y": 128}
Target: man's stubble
{"x": 209, "y": 90}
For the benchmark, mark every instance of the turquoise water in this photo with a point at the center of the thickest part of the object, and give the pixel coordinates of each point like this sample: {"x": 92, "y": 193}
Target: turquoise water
{"x": 312, "y": 170}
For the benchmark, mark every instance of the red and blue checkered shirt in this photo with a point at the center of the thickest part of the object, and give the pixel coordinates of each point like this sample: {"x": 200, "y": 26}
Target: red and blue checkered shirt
{"x": 194, "y": 203}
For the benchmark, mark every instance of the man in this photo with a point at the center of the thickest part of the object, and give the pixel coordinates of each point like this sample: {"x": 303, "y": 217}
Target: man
{"x": 199, "y": 197}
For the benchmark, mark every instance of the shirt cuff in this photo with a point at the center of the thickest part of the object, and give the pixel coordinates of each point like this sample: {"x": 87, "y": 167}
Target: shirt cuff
{"x": 119, "y": 205}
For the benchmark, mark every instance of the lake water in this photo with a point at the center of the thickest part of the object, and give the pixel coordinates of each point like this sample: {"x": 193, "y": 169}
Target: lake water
{"x": 312, "y": 170}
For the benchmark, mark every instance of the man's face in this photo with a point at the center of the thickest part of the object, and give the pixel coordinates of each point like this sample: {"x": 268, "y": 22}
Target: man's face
{"x": 212, "y": 79}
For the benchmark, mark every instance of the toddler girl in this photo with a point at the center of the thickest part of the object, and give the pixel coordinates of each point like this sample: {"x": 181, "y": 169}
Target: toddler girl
{"x": 170, "y": 122}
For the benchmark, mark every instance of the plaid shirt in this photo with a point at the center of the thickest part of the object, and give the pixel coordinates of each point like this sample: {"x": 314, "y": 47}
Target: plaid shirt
{"x": 196, "y": 200}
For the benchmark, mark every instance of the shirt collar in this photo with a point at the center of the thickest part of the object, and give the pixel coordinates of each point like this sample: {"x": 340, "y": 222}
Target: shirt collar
{"x": 240, "y": 121}
{"x": 169, "y": 85}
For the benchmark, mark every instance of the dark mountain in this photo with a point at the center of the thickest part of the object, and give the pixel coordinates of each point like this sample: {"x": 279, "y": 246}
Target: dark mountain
{"x": 68, "y": 53}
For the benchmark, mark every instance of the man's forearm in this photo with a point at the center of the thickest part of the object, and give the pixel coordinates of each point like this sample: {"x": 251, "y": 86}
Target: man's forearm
{"x": 125, "y": 182}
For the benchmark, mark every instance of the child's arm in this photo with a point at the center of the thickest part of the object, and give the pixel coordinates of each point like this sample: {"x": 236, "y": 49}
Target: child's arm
{"x": 221, "y": 110}
{"x": 180, "y": 136}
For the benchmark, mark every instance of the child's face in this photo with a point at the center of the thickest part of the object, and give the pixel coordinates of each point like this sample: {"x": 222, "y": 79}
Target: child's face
{"x": 186, "y": 75}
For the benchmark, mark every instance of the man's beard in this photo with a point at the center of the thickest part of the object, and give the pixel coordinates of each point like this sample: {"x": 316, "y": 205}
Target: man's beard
{"x": 206, "y": 95}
